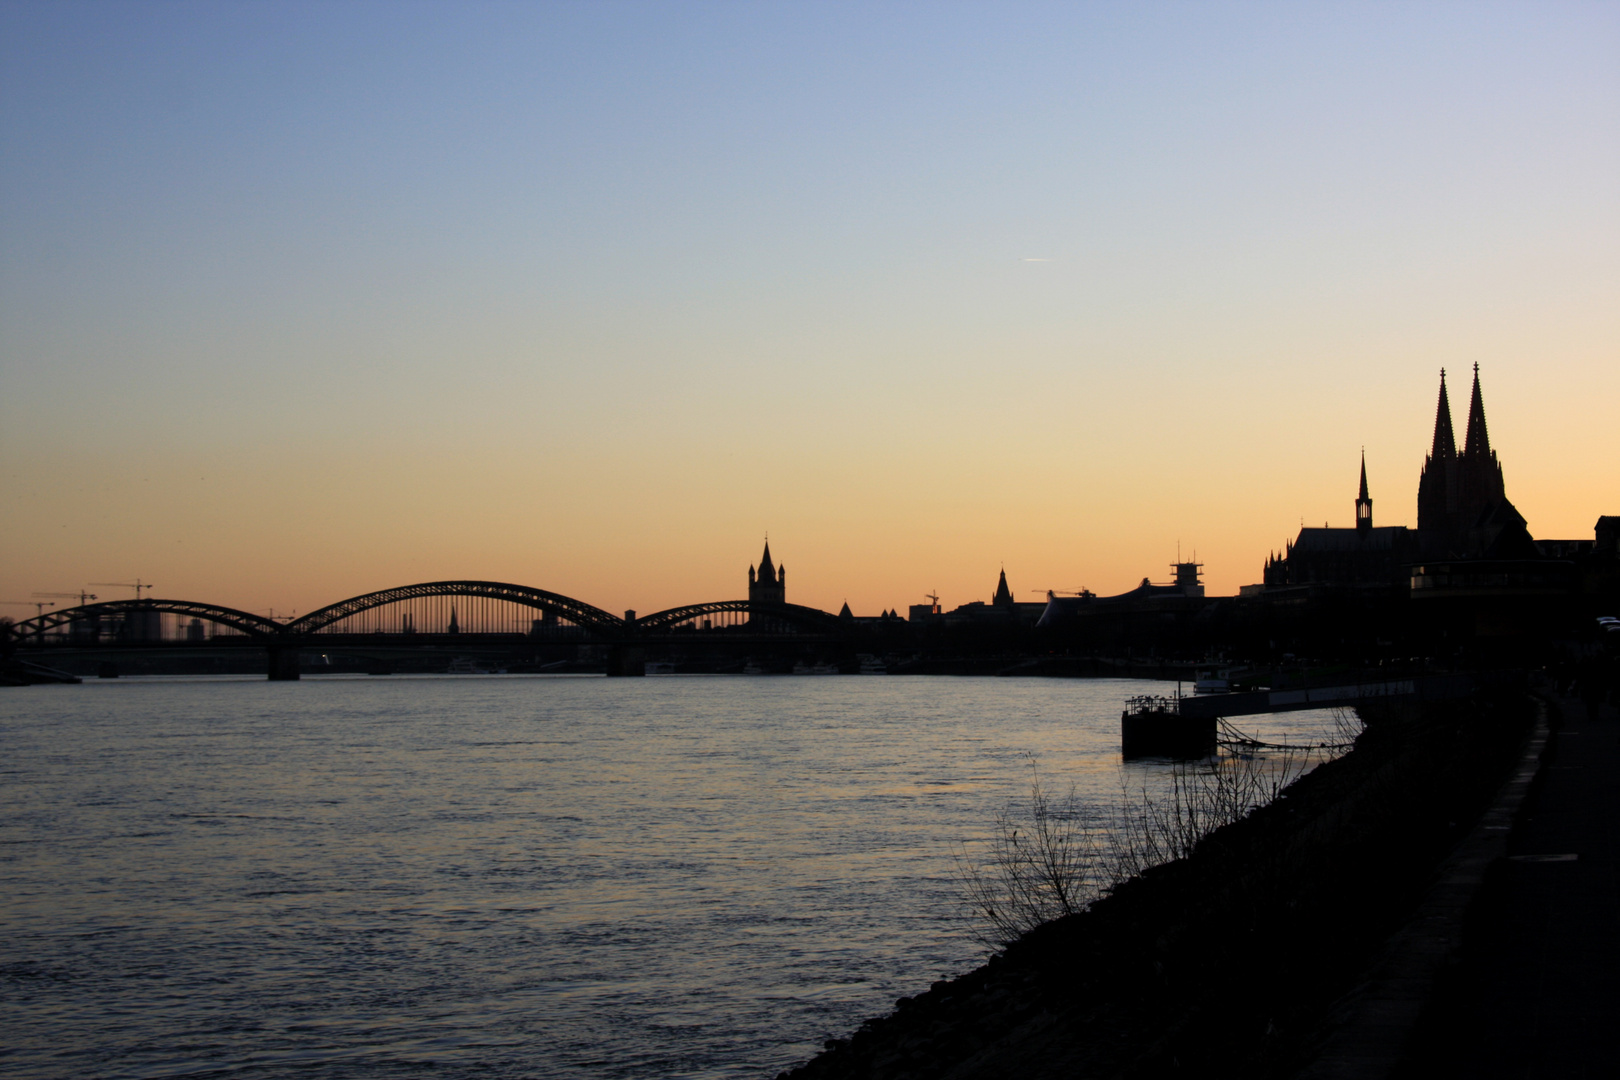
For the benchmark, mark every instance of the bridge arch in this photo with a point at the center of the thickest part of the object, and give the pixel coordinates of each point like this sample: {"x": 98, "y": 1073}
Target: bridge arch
{"x": 575, "y": 611}
{"x": 243, "y": 622}
{"x": 796, "y": 616}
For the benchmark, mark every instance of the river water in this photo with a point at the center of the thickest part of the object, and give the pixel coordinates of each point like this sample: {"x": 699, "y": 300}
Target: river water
{"x": 504, "y": 876}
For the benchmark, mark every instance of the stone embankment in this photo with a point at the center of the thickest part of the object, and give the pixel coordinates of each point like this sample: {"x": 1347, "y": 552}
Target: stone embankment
{"x": 1227, "y": 962}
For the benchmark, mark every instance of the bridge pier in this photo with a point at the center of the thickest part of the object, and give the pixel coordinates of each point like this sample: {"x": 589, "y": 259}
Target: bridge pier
{"x": 283, "y": 663}
{"x": 626, "y": 660}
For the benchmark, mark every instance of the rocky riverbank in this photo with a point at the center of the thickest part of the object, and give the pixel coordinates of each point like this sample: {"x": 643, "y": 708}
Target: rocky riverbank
{"x": 1223, "y": 963}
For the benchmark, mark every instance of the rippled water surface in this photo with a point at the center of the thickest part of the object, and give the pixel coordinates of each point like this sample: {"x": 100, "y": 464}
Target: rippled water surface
{"x": 501, "y": 876}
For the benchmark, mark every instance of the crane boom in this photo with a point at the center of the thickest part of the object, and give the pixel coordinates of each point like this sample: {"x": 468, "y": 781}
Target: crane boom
{"x": 137, "y": 585}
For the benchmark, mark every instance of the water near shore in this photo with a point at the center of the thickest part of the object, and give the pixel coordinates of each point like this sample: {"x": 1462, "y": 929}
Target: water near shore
{"x": 503, "y": 876}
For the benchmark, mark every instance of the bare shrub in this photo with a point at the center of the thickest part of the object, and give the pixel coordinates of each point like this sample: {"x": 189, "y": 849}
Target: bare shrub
{"x": 1204, "y": 796}
{"x": 1050, "y": 856}
{"x": 1043, "y": 862}
{"x": 1347, "y": 728}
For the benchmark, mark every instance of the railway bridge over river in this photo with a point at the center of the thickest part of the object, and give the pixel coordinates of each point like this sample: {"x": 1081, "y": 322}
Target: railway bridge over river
{"x": 488, "y": 615}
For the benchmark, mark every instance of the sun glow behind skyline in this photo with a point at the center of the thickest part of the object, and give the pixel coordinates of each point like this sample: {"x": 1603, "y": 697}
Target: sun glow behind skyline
{"x": 301, "y": 301}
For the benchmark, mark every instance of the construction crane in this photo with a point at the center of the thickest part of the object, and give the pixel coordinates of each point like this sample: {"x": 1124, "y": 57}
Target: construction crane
{"x": 81, "y": 596}
{"x": 38, "y": 606}
{"x": 137, "y": 585}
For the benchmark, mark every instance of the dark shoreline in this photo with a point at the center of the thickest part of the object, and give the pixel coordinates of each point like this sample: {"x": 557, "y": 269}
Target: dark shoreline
{"x": 1227, "y": 962}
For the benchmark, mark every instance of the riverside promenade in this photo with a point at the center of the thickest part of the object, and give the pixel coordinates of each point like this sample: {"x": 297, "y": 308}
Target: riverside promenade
{"x": 1388, "y": 916}
{"x": 1536, "y": 985}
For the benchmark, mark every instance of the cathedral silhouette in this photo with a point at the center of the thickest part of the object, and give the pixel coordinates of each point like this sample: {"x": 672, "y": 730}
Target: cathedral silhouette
{"x": 1463, "y": 514}
{"x": 1463, "y": 508}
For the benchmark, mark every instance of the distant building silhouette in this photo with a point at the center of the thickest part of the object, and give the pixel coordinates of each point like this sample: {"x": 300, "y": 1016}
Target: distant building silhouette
{"x": 1607, "y": 536}
{"x": 1182, "y": 597}
{"x": 1002, "y": 609}
{"x": 849, "y": 618}
{"x": 930, "y": 612}
{"x": 770, "y": 585}
{"x": 1364, "y": 557}
{"x": 1003, "y": 597}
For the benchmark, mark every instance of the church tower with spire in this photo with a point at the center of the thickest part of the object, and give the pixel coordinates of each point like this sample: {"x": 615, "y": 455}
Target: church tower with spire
{"x": 1458, "y": 492}
{"x": 1481, "y": 473}
{"x": 1364, "y": 557}
{"x": 769, "y": 586}
{"x": 1003, "y": 597}
{"x": 1436, "y": 503}
{"x": 1464, "y": 517}
{"x": 1363, "y": 501}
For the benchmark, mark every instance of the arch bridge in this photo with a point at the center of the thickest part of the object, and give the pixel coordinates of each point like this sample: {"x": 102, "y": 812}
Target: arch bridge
{"x": 555, "y": 605}
{"x": 740, "y": 615}
{"x": 127, "y": 619}
{"x": 435, "y": 613}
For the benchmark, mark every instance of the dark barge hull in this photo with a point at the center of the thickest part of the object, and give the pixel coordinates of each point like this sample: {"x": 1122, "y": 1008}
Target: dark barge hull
{"x": 1166, "y": 734}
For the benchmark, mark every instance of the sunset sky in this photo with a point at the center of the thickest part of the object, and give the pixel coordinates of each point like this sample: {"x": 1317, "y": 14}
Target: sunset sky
{"x": 301, "y": 300}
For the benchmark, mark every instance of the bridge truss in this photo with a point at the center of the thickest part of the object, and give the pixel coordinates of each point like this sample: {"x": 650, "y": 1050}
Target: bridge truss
{"x": 494, "y": 610}
{"x": 132, "y": 620}
{"x": 739, "y": 616}
{"x": 433, "y": 608}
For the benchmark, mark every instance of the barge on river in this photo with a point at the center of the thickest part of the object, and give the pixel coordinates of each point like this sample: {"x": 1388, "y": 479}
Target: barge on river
{"x": 1155, "y": 727}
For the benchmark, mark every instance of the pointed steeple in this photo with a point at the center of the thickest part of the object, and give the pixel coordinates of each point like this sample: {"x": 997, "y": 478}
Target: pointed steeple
{"x": 1445, "y": 443}
{"x": 1455, "y": 489}
{"x": 1003, "y": 594}
{"x": 767, "y": 569}
{"x": 1478, "y": 441}
{"x": 1363, "y": 500}
{"x": 770, "y": 584}
{"x": 453, "y": 627}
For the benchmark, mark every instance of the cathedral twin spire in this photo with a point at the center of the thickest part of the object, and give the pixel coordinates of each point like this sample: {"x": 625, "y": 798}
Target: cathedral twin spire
{"x": 1455, "y": 488}
{"x": 1445, "y": 444}
{"x": 1477, "y": 441}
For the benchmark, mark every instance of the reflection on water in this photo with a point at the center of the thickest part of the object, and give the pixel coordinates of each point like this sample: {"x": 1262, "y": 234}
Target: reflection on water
{"x": 502, "y": 876}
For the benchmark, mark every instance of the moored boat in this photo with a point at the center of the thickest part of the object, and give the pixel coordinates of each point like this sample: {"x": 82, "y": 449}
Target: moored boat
{"x": 1153, "y": 726}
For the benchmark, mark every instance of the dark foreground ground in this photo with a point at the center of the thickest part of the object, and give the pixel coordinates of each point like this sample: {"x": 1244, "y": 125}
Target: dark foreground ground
{"x": 1535, "y": 991}
{"x": 1230, "y": 962}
